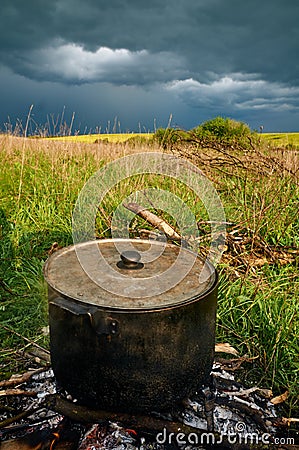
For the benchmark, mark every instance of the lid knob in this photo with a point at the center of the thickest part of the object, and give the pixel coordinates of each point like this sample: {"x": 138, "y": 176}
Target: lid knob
{"x": 130, "y": 259}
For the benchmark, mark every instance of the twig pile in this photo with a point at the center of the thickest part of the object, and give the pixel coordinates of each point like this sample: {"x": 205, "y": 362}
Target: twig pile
{"x": 228, "y": 157}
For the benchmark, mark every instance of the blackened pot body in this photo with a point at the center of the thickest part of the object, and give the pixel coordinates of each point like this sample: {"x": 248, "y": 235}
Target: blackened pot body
{"x": 130, "y": 360}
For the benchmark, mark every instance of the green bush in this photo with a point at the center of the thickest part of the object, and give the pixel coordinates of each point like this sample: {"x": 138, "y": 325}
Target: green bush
{"x": 225, "y": 131}
{"x": 220, "y": 130}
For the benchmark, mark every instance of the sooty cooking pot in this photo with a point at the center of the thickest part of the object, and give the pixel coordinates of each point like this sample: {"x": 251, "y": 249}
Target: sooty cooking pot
{"x": 131, "y": 330}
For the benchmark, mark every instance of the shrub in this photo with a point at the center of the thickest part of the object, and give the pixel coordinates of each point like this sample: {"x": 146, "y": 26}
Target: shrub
{"x": 225, "y": 131}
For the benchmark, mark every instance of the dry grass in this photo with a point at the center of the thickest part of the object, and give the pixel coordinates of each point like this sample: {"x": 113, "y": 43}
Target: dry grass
{"x": 64, "y": 147}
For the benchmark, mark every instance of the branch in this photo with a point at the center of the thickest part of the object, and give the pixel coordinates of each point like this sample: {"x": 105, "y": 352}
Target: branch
{"x": 83, "y": 414}
{"x": 10, "y": 392}
{"x": 144, "y": 423}
{"x": 154, "y": 220}
{"x": 21, "y": 415}
{"x": 14, "y": 380}
{"x": 25, "y": 339}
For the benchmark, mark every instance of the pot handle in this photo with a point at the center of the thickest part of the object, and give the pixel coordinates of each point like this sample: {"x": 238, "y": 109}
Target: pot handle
{"x": 99, "y": 320}
{"x": 103, "y": 324}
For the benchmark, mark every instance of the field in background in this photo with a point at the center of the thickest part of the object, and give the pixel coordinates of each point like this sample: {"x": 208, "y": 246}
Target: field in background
{"x": 282, "y": 139}
{"x": 259, "y": 290}
{"x": 275, "y": 139}
{"x": 94, "y": 138}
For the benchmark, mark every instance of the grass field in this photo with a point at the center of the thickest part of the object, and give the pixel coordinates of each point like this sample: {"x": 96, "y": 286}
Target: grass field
{"x": 94, "y": 138}
{"x": 274, "y": 139}
{"x": 282, "y": 139}
{"x": 259, "y": 288}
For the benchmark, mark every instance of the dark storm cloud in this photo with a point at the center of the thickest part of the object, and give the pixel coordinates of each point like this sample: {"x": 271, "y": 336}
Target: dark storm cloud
{"x": 236, "y": 92}
{"x": 208, "y": 36}
{"x": 71, "y": 63}
{"x": 210, "y": 56}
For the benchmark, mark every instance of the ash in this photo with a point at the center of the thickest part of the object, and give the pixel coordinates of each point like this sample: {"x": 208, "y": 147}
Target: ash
{"x": 225, "y": 407}
{"x": 233, "y": 409}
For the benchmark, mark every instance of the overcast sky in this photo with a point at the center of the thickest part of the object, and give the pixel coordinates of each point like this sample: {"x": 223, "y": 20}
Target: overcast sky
{"x": 132, "y": 64}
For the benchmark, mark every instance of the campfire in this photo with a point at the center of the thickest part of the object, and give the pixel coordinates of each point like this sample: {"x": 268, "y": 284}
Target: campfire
{"x": 121, "y": 365}
{"x": 36, "y": 413}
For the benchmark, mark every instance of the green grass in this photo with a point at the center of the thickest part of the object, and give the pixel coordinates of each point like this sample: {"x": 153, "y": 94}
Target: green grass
{"x": 262, "y": 320}
{"x": 290, "y": 140}
{"x": 258, "y": 301}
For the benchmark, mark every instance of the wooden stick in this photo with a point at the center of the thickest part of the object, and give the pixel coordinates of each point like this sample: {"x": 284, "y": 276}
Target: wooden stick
{"x": 14, "y": 380}
{"x": 289, "y": 420}
{"x": 153, "y": 220}
{"x": 143, "y": 423}
{"x": 40, "y": 356}
{"x": 10, "y": 392}
{"x": 254, "y": 413}
{"x": 25, "y": 339}
{"x": 36, "y": 440}
{"x": 18, "y": 417}
{"x": 231, "y": 365}
{"x": 225, "y": 348}
{"x": 83, "y": 414}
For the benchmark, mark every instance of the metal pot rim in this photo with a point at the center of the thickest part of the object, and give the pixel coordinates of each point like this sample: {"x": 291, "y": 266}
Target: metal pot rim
{"x": 61, "y": 264}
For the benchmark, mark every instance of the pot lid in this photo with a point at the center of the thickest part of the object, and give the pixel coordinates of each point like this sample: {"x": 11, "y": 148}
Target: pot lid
{"x": 129, "y": 274}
